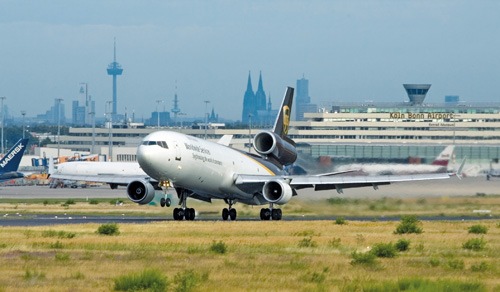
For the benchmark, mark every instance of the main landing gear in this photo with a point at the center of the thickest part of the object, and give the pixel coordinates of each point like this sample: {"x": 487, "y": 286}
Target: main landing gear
{"x": 229, "y": 213}
{"x": 184, "y": 212}
{"x": 270, "y": 213}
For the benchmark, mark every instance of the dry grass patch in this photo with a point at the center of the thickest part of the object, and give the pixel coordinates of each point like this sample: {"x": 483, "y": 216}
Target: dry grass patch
{"x": 258, "y": 255}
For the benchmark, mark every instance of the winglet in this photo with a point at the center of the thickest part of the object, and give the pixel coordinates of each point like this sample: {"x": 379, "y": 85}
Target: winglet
{"x": 283, "y": 119}
{"x": 460, "y": 169}
{"x": 11, "y": 160}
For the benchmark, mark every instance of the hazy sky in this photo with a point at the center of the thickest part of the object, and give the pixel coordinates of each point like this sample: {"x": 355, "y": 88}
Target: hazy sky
{"x": 349, "y": 50}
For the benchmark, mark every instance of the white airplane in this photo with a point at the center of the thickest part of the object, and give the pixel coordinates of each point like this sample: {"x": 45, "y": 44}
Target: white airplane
{"x": 440, "y": 164}
{"x": 205, "y": 170}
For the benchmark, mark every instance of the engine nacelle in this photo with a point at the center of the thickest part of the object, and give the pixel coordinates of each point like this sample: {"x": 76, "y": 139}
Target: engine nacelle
{"x": 277, "y": 191}
{"x": 270, "y": 144}
{"x": 141, "y": 192}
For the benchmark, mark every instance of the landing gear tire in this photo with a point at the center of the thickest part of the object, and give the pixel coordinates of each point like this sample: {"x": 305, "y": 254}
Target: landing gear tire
{"x": 225, "y": 214}
{"x": 168, "y": 202}
{"x": 276, "y": 214}
{"x": 190, "y": 214}
{"x": 163, "y": 202}
{"x": 178, "y": 214}
{"x": 265, "y": 214}
{"x": 232, "y": 214}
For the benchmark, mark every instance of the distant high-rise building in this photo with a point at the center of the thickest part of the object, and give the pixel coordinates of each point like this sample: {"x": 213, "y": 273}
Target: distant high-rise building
{"x": 303, "y": 100}
{"x": 55, "y": 114}
{"x": 83, "y": 108}
{"x": 255, "y": 105}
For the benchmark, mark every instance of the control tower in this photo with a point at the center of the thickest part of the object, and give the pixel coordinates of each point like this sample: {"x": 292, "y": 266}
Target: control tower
{"x": 114, "y": 69}
{"x": 416, "y": 92}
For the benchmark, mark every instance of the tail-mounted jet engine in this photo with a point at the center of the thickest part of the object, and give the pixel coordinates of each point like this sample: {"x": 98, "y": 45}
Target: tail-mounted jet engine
{"x": 277, "y": 191}
{"x": 270, "y": 144}
{"x": 141, "y": 192}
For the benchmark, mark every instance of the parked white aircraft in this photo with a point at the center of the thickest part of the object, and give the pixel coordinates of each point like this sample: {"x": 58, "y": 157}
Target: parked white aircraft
{"x": 440, "y": 164}
{"x": 205, "y": 170}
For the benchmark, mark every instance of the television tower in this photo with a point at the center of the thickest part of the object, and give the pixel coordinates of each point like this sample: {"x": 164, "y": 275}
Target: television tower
{"x": 114, "y": 69}
{"x": 176, "y": 110}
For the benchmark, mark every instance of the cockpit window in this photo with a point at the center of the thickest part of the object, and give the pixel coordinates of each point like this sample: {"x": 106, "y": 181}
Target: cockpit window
{"x": 162, "y": 144}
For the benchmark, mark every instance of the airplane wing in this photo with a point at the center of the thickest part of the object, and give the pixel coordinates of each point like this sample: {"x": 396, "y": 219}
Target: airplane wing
{"x": 121, "y": 180}
{"x": 337, "y": 182}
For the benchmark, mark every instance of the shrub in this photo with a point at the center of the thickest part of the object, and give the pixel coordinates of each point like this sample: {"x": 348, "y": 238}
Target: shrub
{"x": 434, "y": 262}
{"x": 384, "y": 250}
{"x": 481, "y": 267}
{"x": 475, "y": 244}
{"x": 307, "y": 242}
{"x": 337, "y": 201}
{"x": 108, "y": 229}
{"x": 478, "y": 229}
{"x": 93, "y": 202}
{"x": 359, "y": 258}
{"x": 56, "y": 245}
{"x": 409, "y": 224}
{"x": 151, "y": 280}
{"x": 335, "y": 242}
{"x": 188, "y": 280}
{"x": 402, "y": 245}
{"x": 218, "y": 247}
{"x": 59, "y": 234}
{"x": 63, "y": 257}
{"x": 70, "y": 202}
{"x": 456, "y": 264}
{"x": 340, "y": 221}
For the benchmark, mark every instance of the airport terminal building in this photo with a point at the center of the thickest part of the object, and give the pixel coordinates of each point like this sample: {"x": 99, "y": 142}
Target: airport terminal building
{"x": 382, "y": 132}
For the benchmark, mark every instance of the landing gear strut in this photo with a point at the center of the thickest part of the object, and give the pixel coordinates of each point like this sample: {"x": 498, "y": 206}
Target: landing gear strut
{"x": 270, "y": 213}
{"x": 184, "y": 212}
{"x": 229, "y": 213}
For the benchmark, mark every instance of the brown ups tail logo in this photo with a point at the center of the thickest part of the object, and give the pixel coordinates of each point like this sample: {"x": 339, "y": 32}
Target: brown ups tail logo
{"x": 286, "y": 119}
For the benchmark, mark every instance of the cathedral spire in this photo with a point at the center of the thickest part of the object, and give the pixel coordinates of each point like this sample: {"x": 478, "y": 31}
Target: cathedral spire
{"x": 260, "y": 87}
{"x": 249, "y": 83}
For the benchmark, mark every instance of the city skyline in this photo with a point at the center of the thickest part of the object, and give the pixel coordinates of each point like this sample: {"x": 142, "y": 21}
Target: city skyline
{"x": 349, "y": 50}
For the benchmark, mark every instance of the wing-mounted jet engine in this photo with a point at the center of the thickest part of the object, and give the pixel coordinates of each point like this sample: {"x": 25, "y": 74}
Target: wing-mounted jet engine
{"x": 277, "y": 192}
{"x": 141, "y": 191}
{"x": 271, "y": 146}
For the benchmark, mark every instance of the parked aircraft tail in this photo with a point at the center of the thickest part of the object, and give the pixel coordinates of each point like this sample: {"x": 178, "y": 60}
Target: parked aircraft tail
{"x": 444, "y": 157}
{"x": 11, "y": 160}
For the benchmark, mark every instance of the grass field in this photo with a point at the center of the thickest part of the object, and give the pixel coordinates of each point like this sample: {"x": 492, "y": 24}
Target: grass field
{"x": 254, "y": 255}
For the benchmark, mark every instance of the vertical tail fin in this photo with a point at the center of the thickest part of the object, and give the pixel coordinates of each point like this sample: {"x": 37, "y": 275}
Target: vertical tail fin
{"x": 11, "y": 160}
{"x": 445, "y": 156}
{"x": 283, "y": 119}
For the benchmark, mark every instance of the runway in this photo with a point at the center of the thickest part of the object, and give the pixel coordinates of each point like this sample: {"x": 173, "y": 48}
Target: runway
{"x": 442, "y": 188}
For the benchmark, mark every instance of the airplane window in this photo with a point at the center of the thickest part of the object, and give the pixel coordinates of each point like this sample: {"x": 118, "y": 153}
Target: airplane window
{"x": 145, "y": 142}
{"x": 152, "y": 143}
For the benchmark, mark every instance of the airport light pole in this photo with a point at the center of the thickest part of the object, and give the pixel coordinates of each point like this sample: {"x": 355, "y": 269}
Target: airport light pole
{"x": 206, "y": 117}
{"x": 59, "y": 100}
{"x": 92, "y": 117}
{"x": 158, "y": 101}
{"x": 23, "y": 113}
{"x": 1, "y": 109}
{"x": 249, "y": 132}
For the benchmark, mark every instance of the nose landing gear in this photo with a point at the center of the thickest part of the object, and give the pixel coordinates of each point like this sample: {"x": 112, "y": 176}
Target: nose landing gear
{"x": 229, "y": 213}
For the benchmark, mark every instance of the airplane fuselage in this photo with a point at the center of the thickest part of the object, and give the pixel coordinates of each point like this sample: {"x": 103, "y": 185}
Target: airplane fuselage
{"x": 206, "y": 168}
